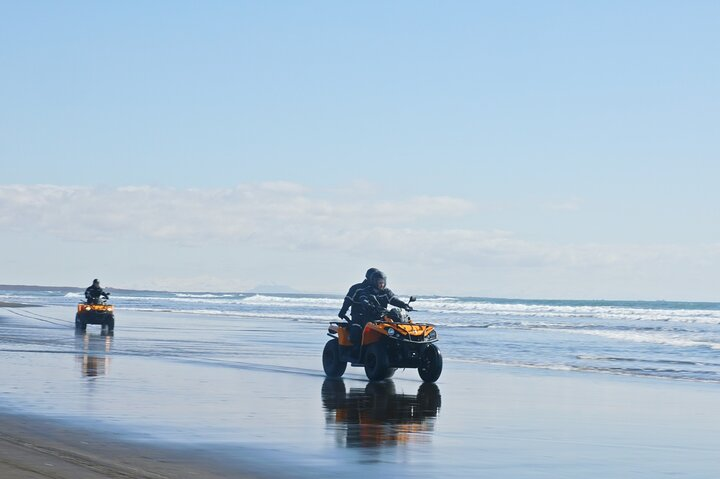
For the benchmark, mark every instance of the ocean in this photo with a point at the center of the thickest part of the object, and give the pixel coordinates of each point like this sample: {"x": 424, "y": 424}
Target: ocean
{"x": 671, "y": 340}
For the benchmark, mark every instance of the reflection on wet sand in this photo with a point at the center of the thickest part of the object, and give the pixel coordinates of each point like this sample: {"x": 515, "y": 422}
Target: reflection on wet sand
{"x": 376, "y": 415}
{"x": 95, "y": 358}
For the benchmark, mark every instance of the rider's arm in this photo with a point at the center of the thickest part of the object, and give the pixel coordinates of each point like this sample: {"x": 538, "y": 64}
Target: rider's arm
{"x": 345, "y": 306}
{"x": 348, "y": 301}
{"x": 395, "y": 301}
{"x": 363, "y": 299}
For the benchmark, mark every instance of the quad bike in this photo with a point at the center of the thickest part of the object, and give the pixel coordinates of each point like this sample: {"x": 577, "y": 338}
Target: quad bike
{"x": 95, "y": 311}
{"x": 393, "y": 341}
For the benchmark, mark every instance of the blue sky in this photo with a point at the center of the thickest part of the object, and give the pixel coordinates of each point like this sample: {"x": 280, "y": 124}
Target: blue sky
{"x": 522, "y": 149}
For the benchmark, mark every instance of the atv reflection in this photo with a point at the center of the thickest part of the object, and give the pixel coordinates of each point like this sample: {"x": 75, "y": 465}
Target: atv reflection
{"x": 93, "y": 354}
{"x": 376, "y": 415}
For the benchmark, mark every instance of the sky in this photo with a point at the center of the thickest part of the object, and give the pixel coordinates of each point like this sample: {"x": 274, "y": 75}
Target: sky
{"x": 556, "y": 149}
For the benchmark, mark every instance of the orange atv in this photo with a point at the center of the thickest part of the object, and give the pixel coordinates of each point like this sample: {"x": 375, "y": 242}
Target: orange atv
{"x": 391, "y": 342}
{"x": 95, "y": 312}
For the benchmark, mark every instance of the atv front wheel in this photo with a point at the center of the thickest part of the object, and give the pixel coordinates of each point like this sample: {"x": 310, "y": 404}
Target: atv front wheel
{"x": 377, "y": 364}
{"x": 332, "y": 364}
{"x": 431, "y": 364}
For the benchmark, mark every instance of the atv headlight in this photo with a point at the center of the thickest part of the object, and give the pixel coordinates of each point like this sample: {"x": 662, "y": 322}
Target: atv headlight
{"x": 391, "y": 332}
{"x": 432, "y": 335}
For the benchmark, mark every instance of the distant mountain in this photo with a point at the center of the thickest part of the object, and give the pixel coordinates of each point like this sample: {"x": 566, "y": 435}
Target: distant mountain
{"x": 262, "y": 288}
{"x": 24, "y": 287}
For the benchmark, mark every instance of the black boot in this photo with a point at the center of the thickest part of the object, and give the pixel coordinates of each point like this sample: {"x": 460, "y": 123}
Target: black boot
{"x": 355, "y": 353}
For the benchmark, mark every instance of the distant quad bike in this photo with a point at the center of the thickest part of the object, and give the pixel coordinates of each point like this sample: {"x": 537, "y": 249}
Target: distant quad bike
{"x": 96, "y": 311}
{"x": 391, "y": 342}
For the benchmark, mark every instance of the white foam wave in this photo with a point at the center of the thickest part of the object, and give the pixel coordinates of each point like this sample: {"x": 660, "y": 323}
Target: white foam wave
{"x": 238, "y": 314}
{"x": 563, "y": 311}
{"x": 206, "y": 295}
{"x": 633, "y": 372}
{"x": 260, "y": 299}
{"x": 189, "y": 299}
{"x": 16, "y": 297}
{"x": 238, "y": 300}
{"x": 652, "y": 337}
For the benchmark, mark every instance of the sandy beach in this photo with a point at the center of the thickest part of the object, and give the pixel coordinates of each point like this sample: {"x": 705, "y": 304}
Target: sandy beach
{"x": 5, "y": 304}
{"x": 494, "y": 424}
{"x": 33, "y": 448}
{"x": 164, "y": 398}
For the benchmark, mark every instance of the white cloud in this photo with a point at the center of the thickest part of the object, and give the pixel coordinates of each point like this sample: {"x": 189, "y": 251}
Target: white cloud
{"x": 265, "y": 212}
{"x": 259, "y": 225}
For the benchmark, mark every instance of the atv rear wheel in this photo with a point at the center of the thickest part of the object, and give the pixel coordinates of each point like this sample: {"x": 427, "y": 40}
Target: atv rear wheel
{"x": 376, "y": 363}
{"x": 431, "y": 364}
{"x": 332, "y": 364}
{"x": 80, "y": 325}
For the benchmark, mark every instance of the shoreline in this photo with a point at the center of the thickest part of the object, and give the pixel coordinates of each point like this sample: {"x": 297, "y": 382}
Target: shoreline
{"x": 38, "y": 448}
{"x": 4, "y": 304}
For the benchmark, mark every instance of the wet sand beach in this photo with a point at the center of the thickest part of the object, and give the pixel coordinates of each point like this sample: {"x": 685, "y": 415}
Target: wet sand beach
{"x": 5, "y": 304}
{"x": 166, "y": 397}
{"x": 34, "y": 448}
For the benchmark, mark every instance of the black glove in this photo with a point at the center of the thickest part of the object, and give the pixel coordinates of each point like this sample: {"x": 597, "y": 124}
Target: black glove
{"x": 342, "y": 315}
{"x": 408, "y": 308}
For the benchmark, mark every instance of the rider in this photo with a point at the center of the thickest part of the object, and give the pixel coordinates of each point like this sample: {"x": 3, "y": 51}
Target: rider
{"x": 93, "y": 292}
{"x": 351, "y": 296}
{"x": 370, "y": 299}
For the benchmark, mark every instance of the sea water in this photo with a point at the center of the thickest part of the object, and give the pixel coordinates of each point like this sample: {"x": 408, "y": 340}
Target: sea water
{"x": 674, "y": 340}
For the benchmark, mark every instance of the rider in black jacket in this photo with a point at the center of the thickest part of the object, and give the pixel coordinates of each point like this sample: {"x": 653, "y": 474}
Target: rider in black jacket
{"x": 93, "y": 292}
{"x": 371, "y": 299}
{"x": 351, "y": 296}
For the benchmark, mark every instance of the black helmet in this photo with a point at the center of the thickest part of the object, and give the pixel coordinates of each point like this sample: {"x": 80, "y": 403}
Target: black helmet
{"x": 376, "y": 277}
{"x": 370, "y": 272}
{"x": 96, "y": 281}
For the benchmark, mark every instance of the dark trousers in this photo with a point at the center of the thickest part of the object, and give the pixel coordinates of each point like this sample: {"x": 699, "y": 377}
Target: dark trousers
{"x": 357, "y": 324}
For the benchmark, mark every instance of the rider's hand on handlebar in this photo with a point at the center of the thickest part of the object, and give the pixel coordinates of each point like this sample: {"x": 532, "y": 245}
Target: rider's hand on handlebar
{"x": 342, "y": 315}
{"x": 408, "y": 308}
